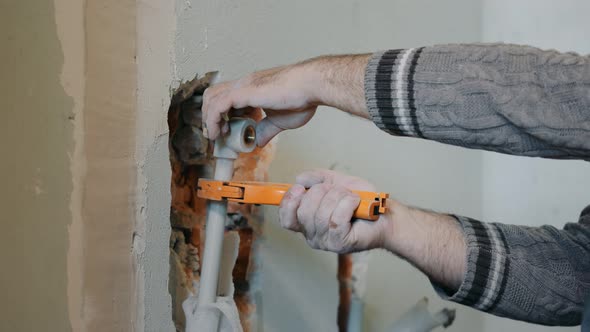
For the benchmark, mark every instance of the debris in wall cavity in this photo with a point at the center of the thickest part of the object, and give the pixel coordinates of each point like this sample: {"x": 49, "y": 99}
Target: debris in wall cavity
{"x": 191, "y": 159}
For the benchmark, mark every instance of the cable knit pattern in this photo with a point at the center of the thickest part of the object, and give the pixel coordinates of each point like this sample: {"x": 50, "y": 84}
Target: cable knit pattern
{"x": 505, "y": 98}
{"x": 535, "y": 274}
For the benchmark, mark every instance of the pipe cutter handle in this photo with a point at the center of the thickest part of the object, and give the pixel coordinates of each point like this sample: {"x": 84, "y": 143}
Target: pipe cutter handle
{"x": 371, "y": 206}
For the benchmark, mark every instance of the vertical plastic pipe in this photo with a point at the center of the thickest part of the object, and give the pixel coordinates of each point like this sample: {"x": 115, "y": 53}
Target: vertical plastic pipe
{"x": 419, "y": 319}
{"x": 216, "y": 214}
{"x": 355, "y": 318}
{"x": 240, "y": 139}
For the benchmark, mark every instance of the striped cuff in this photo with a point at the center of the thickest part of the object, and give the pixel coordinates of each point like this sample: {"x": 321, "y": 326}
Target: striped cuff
{"x": 389, "y": 91}
{"x": 487, "y": 266}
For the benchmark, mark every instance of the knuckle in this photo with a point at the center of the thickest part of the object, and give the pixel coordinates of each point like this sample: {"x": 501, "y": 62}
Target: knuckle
{"x": 342, "y": 190}
{"x": 301, "y": 177}
{"x": 292, "y": 195}
{"x": 320, "y": 190}
{"x": 289, "y": 224}
{"x": 286, "y": 201}
{"x": 283, "y": 217}
{"x": 334, "y": 196}
{"x": 322, "y": 218}
{"x": 207, "y": 93}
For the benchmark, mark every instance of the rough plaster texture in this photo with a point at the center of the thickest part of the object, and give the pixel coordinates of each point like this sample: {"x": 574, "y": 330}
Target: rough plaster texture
{"x": 35, "y": 140}
{"x": 155, "y": 80}
{"x": 157, "y": 299}
{"x": 109, "y": 184}
{"x": 99, "y": 73}
{"x": 69, "y": 18}
{"x": 70, "y": 190}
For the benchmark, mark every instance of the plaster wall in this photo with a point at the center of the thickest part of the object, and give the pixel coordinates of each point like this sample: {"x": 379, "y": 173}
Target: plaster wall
{"x": 156, "y": 24}
{"x": 35, "y": 141}
{"x": 108, "y": 194}
{"x": 69, "y": 18}
{"x": 68, "y": 140}
{"x": 534, "y": 191}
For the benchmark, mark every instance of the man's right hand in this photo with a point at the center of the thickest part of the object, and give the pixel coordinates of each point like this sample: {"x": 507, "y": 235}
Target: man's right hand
{"x": 324, "y": 213}
{"x": 288, "y": 95}
{"x": 433, "y": 242}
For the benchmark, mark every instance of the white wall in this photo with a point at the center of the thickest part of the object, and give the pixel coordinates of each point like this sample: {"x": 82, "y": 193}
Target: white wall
{"x": 299, "y": 284}
{"x": 534, "y": 191}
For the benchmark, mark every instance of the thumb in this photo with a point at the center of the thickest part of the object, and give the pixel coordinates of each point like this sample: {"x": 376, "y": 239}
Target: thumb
{"x": 265, "y": 131}
{"x": 311, "y": 178}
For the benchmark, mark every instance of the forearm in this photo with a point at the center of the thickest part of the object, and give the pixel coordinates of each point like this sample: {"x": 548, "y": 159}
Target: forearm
{"x": 536, "y": 274}
{"x": 337, "y": 81}
{"x": 432, "y": 242}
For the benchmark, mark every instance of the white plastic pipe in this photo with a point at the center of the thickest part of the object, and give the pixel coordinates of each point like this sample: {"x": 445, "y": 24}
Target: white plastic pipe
{"x": 216, "y": 214}
{"x": 419, "y": 319}
{"x": 355, "y": 315}
{"x": 240, "y": 139}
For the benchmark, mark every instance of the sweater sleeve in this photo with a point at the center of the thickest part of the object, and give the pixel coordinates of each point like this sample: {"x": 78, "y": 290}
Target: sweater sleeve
{"x": 506, "y": 98}
{"x": 535, "y": 274}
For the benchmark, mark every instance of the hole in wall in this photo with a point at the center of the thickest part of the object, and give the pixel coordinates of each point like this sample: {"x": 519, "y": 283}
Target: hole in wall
{"x": 191, "y": 159}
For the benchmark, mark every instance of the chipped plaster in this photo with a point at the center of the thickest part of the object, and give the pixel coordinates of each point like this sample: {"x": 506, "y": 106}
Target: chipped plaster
{"x": 69, "y": 17}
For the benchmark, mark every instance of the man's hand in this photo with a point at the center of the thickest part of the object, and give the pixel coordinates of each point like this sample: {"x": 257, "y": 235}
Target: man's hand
{"x": 288, "y": 95}
{"x": 324, "y": 213}
{"x": 285, "y": 94}
{"x": 432, "y": 242}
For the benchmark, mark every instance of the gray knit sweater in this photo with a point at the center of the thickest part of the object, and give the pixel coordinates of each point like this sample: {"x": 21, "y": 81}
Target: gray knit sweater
{"x": 511, "y": 99}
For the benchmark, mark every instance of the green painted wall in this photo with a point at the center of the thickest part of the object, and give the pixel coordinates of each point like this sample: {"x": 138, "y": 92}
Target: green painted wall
{"x": 35, "y": 138}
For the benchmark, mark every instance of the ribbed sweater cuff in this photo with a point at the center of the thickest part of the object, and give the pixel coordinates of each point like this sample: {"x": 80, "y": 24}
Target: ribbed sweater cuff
{"x": 389, "y": 91}
{"x": 487, "y": 266}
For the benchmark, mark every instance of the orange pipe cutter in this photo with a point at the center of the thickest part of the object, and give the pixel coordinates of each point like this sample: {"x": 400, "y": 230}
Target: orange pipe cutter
{"x": 372, "y": 204}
